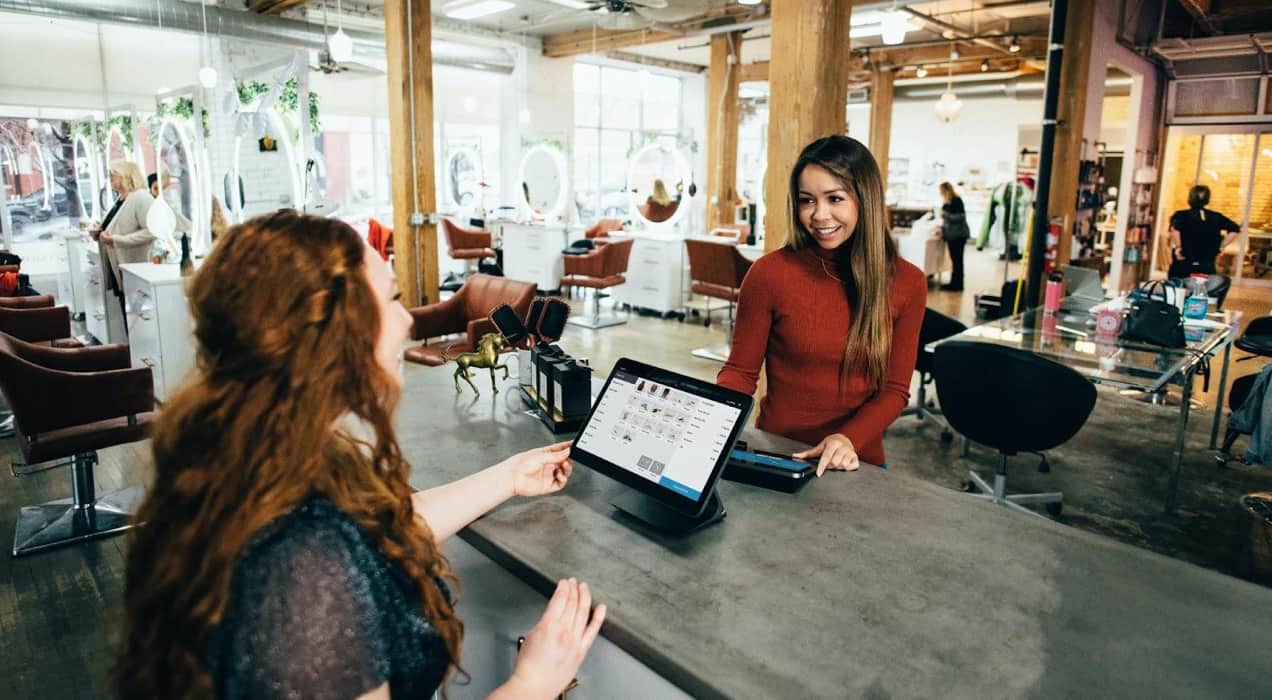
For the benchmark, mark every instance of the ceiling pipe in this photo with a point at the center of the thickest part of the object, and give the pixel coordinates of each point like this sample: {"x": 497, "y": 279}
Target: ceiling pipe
{"x": 226, "y": 23}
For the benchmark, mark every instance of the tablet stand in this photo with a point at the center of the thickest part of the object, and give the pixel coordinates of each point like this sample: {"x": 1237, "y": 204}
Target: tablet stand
{"x": 667, "y": 519}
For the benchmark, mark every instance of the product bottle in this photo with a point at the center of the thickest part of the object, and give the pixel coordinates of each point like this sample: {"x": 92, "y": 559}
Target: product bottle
{"x": 1051, "y": 302}
{"x": 1196, "y": 305}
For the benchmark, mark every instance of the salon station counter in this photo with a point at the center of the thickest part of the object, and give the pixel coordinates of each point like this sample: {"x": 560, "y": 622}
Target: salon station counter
{"x": 864, "y": 584}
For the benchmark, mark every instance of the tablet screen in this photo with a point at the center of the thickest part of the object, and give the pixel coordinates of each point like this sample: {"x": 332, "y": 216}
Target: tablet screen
{"x": 668, "y": 430}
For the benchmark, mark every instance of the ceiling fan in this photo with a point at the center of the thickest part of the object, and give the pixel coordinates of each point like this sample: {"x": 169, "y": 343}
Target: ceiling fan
{"x": 638, "y": 14}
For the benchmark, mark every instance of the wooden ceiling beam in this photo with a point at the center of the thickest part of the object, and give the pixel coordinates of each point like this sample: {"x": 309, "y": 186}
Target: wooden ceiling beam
{"x": 596, "y": 40}
{"x": 274, "y": 7}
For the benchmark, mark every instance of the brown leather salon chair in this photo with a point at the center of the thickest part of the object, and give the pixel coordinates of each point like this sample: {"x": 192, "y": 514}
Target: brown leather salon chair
{"x": 42, "y": 301}
{"x": 71, "y": 403}
{"x": 36, "y": 320}
{"x": 469, "y": 245}
{"x": 602, "y": 228}
{"x": 716, "y": 270}
{"x": 466, "y": 312}
{"x": 604, "y": 267}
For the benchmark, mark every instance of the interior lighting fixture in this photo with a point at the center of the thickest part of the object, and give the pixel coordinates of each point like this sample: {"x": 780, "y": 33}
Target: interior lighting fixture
{"x": 949, "y": 106}
{"x": 750, "y": 2}
{"x": 207, "y": 74}
{"x": 921, "y": 71}
{"x": 479, "y": 9}
{"x": 894, "y": 25}
{"x": 985, "y": 66}
{"x": 954, "y": 54}
{"x": 1014, "y": 46}
{"x": 340, "y": 46}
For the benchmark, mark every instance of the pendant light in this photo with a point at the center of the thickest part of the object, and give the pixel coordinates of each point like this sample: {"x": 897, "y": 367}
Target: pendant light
{"x": 340, "y": 46}
{"x": 207, "y": 74}
{"x": 949, "y": 106}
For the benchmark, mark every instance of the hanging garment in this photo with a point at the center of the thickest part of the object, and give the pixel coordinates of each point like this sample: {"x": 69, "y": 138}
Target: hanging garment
{"x": 1008, "y": 214}
{"x": 1255, "y": 417}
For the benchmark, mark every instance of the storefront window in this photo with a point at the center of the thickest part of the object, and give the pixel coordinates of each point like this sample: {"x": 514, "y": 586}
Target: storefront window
{"x": 39, "y": 179}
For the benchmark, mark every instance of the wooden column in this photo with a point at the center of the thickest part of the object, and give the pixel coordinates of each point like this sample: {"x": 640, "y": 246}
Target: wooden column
{"x": 408, "y": 39}
{"x": 1075, "y": 76}
{"x": 881, "y": 92}
{"x": 808, "y": 94}
{"x": 722, "y": 127}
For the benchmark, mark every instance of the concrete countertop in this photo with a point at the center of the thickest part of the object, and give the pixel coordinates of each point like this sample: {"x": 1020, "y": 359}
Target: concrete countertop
{"x": 864, "y": 584}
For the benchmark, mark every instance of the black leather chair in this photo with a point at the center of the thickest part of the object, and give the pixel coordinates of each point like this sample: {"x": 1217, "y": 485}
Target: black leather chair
{"x": 1032, "y": 404}
{"x": 936, "y": 326}
{"x": 1256, "y": 338}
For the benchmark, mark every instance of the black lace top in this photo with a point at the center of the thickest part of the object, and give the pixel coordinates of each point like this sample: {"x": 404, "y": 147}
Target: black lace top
{"x": 316, "y": 611}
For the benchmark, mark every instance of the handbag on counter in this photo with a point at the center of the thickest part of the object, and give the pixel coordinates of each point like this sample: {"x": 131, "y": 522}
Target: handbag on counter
{"x": 1152, "y": 321}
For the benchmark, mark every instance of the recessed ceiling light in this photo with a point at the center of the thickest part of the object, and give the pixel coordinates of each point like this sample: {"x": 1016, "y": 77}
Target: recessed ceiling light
{"x": 749, "y": 2}
{"x": 480, "y": 9}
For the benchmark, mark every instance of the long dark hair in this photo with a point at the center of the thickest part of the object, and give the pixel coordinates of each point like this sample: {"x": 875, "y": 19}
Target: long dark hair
{"x": 285, "y": 353}
{"x": 865, "y": 262}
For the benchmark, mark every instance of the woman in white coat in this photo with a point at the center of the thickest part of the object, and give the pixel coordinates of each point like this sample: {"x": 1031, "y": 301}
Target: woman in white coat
{"x": 125, "y": 238}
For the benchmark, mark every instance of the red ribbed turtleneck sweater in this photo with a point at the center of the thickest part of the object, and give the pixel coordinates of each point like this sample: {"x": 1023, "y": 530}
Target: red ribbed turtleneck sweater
{"x": 793, "y": 318}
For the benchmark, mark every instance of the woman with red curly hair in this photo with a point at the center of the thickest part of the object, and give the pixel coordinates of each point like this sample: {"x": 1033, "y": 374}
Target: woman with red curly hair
{"x": 284, "y": 553}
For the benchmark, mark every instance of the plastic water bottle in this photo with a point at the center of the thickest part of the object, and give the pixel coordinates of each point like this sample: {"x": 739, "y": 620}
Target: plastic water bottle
{"x": 1196, "y": 304}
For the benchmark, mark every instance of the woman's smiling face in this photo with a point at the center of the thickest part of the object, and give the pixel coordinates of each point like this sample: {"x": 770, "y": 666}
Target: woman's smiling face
{"x": 827, "y": 208}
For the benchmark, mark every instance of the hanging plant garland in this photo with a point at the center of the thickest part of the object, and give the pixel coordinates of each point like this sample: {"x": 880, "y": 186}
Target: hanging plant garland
{"x": 288, "y": 100}
{"x": 124, "y": 123}
{"x": 182, "y": 107}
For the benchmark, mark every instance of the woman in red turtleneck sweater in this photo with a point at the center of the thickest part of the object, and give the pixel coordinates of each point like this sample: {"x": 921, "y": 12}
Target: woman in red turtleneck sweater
{"x": 833, "y": 316}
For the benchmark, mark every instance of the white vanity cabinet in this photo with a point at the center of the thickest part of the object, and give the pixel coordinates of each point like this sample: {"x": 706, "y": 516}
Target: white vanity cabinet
{"x": 655, "y": 274}
{"x": 497, "y": 608}
{"x": 160, "y": 332}
{"x": 533, "y": 253}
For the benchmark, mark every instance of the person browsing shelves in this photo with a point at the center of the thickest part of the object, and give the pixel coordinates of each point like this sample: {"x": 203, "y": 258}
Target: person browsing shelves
{"x": 833, "y": 315}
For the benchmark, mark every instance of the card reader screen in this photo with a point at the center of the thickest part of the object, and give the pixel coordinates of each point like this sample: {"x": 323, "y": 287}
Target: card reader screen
{"x": 668, "y": 436}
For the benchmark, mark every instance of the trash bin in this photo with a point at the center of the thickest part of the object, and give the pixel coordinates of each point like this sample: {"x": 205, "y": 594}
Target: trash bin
{"x": 1259, "y": 506}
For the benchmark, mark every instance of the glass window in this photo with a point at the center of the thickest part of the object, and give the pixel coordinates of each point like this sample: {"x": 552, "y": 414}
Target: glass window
{"x": 587, "y": 79}
{"x": 1208, "y": 98}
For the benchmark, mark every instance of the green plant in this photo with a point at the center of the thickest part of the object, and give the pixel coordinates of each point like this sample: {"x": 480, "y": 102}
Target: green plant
{"x": 124, "y": 123}
{"x": 659, "y": 137}
{"x": 288, "y": 99}
{"x": 182, "y": 107}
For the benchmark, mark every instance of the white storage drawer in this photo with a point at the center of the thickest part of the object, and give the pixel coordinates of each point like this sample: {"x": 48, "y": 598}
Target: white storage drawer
{"x": 160, "y": 334}
{"x": 655, "y": 274}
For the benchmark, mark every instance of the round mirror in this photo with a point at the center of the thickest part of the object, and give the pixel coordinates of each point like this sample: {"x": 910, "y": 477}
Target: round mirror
{"x": 178, "y": 183}
{"x": 86, "y": 178}
{"x": 463, "y": 178}
{"x": 543, "y": 182}
{"x": 265, "y": 167}
{"x": 658, "y": 180}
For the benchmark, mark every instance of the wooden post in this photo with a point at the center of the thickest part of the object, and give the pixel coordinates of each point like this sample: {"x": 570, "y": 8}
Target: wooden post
{"x": 808, "y": 94}
{"x": 722, "y": 127}
{"x": 1075, "y": 75}
{"x": 881, "y": 93}
{"x": 408, "y": 33}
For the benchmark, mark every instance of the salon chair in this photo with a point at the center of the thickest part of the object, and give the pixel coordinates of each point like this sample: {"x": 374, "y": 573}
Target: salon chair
{"x": 602, "y": 228}
{"x": 469, "y": 245}
{"x": 42, "y": 301}
{"x": 602, "y": 268}
{"x": 936, "y": 326}
{"x": 112, "y": 404}
{"x": 465, "y": 312}
{"x": 38, "y": 323}
{"x": 1256, "y": 338}
{"x": 1032, "y": 404}
{"x": 716, "y": 270}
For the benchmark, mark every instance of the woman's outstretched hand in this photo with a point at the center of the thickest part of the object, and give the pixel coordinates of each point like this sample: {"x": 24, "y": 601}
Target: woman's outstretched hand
{"x": 539, "y": 471}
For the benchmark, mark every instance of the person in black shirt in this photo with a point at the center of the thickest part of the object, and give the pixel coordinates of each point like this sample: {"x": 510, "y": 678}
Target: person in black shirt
{"x": 1196, "y": 235}
{"x": 955, "y": 231}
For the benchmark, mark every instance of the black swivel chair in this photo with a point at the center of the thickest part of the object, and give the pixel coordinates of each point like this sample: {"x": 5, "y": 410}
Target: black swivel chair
{"x": 1032, "y": 404}
{"x": 1256, "y": 338}
{"x": 936, "y": 326}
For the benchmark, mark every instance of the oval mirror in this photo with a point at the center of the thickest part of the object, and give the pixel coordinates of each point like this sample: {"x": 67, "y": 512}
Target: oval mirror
{"x": 463, "y": 178}
{"x": 543, "y": 183}
{"x": 658, "y": 179}
{"x": 87, "y": 183}
{"x": 265, "y": 166}
{"x": 178, "y": 182}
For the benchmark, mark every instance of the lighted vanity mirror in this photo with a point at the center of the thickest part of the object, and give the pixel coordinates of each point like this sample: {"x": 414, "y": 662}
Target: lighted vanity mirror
{"x": 178, "y": 177}
{"x": 658, "y": 179}
{"x": 87, "y": 178}
{"x": 543, "y": 183}
{"x": 463, "y": 178}
{"x": 266, "y": 168}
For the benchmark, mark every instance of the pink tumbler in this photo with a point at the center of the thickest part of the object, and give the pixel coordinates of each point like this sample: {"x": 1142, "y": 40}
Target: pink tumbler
{"x": 1051, "y": 302}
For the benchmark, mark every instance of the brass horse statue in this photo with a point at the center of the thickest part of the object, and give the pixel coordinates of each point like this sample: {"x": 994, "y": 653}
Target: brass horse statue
{"x": 487, "y": 356}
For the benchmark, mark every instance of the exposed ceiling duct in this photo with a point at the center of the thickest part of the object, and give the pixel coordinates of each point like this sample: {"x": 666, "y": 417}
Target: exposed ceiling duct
{"x": 242, "y": 24}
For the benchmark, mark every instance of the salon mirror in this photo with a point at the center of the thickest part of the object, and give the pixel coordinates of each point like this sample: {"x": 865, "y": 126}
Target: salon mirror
{"x": 542, "y": 179}
{"x": 265, "y": 167}
{"x": 658, "y": 180}
{"x": 463, "y": 178}
{"x": 178, "y": 186}
{"x": 87, "y": 179}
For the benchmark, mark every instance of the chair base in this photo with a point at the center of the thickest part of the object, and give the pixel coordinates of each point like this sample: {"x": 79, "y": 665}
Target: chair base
{"x": 20, "y": 469}
{"x": 996, "y": 494}
{"x": 62, "y": 522}
{"x": 718, "y": 352}
{"x": 599, "y": 321}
